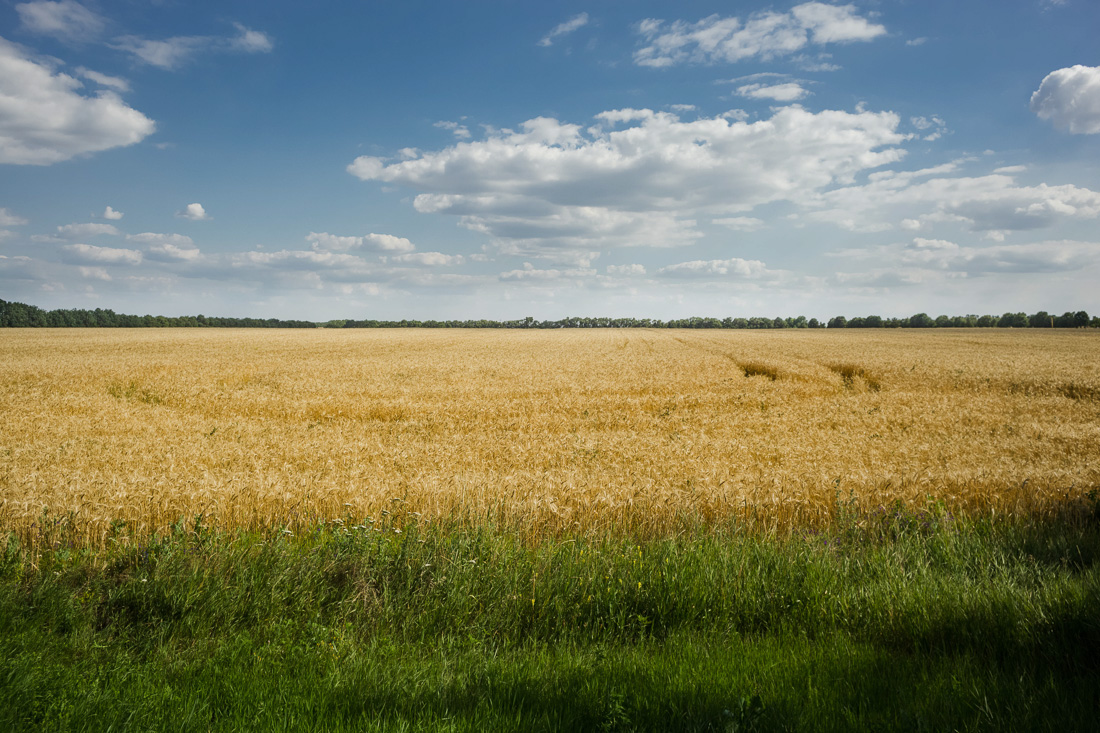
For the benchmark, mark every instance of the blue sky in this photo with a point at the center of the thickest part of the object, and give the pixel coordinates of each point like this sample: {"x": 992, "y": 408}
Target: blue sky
{"x": 503, "y": 159}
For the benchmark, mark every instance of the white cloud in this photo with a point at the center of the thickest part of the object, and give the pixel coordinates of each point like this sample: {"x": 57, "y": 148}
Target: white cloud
{"x": 8, "y": 219}
{"x": 917, "y": 41}
{"x": 786, "y": 92}
{"x": 992, "y": 203}
{"x": 90, "y": 254}
{"x": 194, "y": 212}
{"x": 91, "y": 229}
{"x": 94, "y": 273}
{"x": 626, "y": 269}
{"x": 735, "y": 268}
{"x": 111, "y": 214}
{"x": 741, "y": 223}
{"x": 168, "y": 252}
{"x": 113, "y": 82}
{"x": 554, "y": 190}
{"x": 180, "y": 240}
{"x": 7, "y": 234}
{"x": 1070, "y": 99}
{"x": 936, "y": 124}
{"x": 167, "y": 54}
{"x": 296, "y": 260}
{"x": 428, "y": 259}
{"x": 171, "y": 53}
{"x": 167, "y": 247}
{"x": 67, "y": 20}
{"x": 764, "y": 35}
{"x": 820, "y": 62}
{"x": 577, "y": 21}
{"x": 530, "y": 272}
{"x": 325, "y": 242}
{"x": 460, "y": 131}
{"x": 44, "y": 119}
{"x": 251, "y": 41}
{"x": 938, "y": 255}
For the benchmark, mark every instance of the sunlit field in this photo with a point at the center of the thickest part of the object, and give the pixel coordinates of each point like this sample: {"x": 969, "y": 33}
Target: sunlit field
{"x": 601, "y": 433}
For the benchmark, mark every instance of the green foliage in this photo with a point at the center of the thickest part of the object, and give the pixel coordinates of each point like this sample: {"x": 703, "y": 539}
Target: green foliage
{"x": 892, "y": 618}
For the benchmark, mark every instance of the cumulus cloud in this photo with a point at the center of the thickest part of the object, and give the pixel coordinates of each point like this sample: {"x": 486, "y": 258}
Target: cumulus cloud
{"x": 91, "y": 229}
{"x": 325, "y": 242}
{"x": 194, "y": 212}
{"x": 763, "y": 35}
{"x": 90, "y": 254}
{"x": 562, "y": 29}
{"x": 1070, "y": 99}
{"x": 8, "y": 219}
{"x": 733, "y": 268}
{"x": 111, "y": 214}
{"x": 786, "y": 92}
{"x": 636, "y": 178}
{"x": 67, "y": 20}
{"x": 44, "y": 119}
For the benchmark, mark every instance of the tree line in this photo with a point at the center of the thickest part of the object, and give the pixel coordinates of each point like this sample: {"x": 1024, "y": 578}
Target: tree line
{"x": 21, "y": 315}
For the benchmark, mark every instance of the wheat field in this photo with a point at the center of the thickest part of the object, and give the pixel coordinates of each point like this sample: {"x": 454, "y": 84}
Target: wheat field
{"x": 640, "y": 432}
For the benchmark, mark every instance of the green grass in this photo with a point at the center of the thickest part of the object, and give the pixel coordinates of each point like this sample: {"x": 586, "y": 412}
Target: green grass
{"x": 894, "y": 620}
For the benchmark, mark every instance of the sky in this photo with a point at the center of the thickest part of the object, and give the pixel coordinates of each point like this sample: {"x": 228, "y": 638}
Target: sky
{"x": 504, "y": 159}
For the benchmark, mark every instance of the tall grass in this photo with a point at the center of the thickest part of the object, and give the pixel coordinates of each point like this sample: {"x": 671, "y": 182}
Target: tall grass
{"x": 893, "y": 618}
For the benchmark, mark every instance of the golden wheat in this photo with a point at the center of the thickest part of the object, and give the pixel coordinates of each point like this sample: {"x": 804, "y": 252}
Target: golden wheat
{"x": 631, "y": 431}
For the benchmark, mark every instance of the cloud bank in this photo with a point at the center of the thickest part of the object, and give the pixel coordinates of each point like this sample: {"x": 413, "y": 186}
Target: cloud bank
{"x": 636, "y": 177}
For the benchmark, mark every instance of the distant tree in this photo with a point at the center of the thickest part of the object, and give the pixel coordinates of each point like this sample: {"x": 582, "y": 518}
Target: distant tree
{"x": 814, "y": 323}
{"x": 1080, "y": 319}
{"x": 1013, "y": 320}
{"x": 944, "y": 322}
{"x": 872, "y": 322}
{"x": 856, "y": 322}
{"x": 1042, "y": 319}
{"x": 838, "y": 322}
{"x": 987, "y": 321}
{"x": 921, "y": 320}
